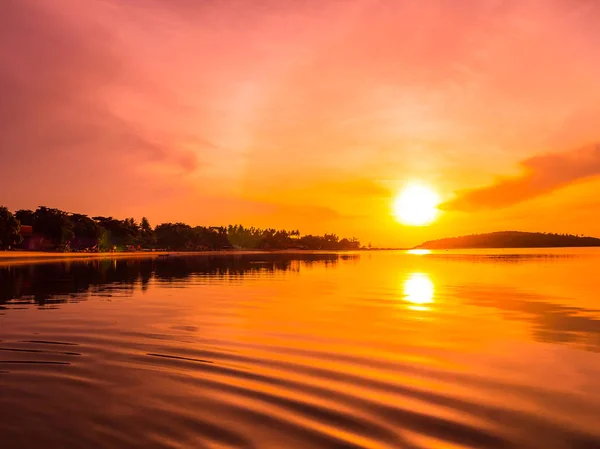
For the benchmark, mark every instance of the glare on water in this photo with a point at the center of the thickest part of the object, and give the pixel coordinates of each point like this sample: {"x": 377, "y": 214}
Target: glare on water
{"x": 418, "y": 289}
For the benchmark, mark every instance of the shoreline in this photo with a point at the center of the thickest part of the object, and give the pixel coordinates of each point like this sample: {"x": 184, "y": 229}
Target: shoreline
{"x": 47, "y": 256}
{"x": 14, "y": 257}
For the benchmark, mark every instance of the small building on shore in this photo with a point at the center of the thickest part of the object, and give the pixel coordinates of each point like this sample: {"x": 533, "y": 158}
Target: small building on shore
{"x": 34, "y": 242}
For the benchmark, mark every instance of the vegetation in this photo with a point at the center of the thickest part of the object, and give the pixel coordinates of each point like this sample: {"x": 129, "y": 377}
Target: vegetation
{"x": 511, "y": 239}
{"x": 54, "y": 229}
{"x": 9, "y": 229}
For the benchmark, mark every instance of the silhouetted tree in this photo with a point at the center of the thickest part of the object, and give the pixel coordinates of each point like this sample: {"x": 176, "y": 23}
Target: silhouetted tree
{"x": 118, "y": 233}
{"x": 175, "y": 236}
{"x": 147, "y": 237}
{"x": 9, "y": 229}
{"x": 25, "y": 217}
{"x": 145, "y": 225}
{"x": 86, "y": 231}
{"x": 53, "y": 224}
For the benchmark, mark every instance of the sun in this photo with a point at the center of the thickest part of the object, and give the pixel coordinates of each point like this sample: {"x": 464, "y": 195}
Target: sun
{"x": 416, "y": 205}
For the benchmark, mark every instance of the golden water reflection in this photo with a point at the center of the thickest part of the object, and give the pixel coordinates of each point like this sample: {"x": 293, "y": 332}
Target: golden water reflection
{"x": 380, "y": 350}
{"x": 419, "y": 290}
{"x": 419, "y": 252}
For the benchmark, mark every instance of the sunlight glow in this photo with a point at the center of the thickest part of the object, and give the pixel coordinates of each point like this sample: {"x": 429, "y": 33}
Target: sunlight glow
{"x": 418, "y": 289}
{"x": 416, "y": 205}
{"x": 419, "y": 252}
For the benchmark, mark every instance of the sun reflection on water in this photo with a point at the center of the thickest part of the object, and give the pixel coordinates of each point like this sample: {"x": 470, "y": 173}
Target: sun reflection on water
{"x": 419, "y": 290}
{"x": 419, "y": 252}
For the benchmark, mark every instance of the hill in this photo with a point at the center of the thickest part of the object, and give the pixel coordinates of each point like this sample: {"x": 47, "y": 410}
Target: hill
{"x": 511, "y": 239}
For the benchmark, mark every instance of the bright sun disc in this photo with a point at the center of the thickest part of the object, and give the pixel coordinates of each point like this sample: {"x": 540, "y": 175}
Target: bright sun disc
{"x": 416, "y": 205}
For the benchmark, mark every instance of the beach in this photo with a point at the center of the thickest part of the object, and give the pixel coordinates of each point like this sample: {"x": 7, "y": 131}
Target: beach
{"x": 47, "y": 256}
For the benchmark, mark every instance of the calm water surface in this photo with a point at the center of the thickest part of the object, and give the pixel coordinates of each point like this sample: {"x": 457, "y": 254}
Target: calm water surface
{"x": 371, "y": 350}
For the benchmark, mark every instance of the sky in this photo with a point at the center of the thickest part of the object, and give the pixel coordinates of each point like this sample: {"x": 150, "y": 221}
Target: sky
{"x": 305, "y": 114}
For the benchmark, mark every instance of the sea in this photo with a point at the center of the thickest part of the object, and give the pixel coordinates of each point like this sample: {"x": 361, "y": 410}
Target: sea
{"x": 369, "y": 349}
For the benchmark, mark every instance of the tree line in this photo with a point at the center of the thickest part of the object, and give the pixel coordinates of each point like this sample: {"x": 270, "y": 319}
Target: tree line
{"x": 54, "y": 229}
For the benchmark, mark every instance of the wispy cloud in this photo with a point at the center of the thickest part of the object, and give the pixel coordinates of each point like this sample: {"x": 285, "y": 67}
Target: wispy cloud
{"x": 312, "y": 102}
{"x": 540, "y": 175}
{"x": 52, "y": 74}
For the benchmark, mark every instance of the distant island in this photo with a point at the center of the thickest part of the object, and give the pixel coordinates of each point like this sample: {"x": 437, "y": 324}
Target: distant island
{"x": 511, "y": 239}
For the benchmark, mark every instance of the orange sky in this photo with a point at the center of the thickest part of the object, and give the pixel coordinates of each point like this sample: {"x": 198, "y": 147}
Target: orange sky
{"x": 306, "y": 115}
